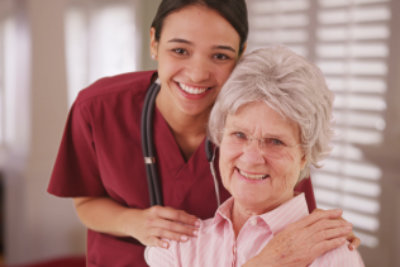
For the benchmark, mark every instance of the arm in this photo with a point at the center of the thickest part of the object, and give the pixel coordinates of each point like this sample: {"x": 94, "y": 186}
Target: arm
{"x": 150, "y": 226}
{"x": 302, "y": 242}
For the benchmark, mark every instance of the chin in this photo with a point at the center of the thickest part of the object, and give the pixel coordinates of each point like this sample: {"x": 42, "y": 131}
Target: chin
{"x": 262, "y": 205}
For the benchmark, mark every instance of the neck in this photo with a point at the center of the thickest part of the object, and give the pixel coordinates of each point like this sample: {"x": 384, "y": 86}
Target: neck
{"x": 189, "y": 131}
{"x": 182, "y": 124}
{"x": 240, "y": 213}
{"x": 239, "y": 216}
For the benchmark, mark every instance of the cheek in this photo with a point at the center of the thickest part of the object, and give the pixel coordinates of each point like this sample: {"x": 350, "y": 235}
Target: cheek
{"x": 163, "y": 72}
{"x": 292, "y": 157}
{"x": 167, "y": 64}
{"x": 224, "y": 73}
{"x": 287, "y": 168}
{"x": 227, "y": 158}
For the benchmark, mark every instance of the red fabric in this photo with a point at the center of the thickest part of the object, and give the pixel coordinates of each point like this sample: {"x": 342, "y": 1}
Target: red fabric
{"x": 101, "y": 155}
{"x": 305, "y": 186}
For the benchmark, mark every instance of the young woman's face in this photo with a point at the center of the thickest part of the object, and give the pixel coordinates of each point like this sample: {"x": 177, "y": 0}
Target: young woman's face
{"x": 196, "y": 53}
{"x": 260, "y": 157}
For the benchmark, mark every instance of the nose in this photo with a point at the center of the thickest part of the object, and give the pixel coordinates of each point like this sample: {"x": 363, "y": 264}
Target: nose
{"x": 252, "y": 152}
{"x": 199, "y": 69}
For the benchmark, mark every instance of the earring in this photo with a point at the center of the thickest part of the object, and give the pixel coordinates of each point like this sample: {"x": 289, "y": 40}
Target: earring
{"x": 153, "y": 57}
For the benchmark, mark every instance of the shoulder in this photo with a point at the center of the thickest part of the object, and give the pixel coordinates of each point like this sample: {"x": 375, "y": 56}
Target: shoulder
{"x": 189, "y": 253}
{"x": 132, "y": 83}
{"x": 340, "y": 256}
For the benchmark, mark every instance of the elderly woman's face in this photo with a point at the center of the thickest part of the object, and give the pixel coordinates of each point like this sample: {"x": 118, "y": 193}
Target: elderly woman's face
{"x": 260, "y": 157}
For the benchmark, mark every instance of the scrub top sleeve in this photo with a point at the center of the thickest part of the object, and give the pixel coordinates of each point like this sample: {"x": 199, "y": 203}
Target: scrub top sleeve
{"x": 76, "y": 171}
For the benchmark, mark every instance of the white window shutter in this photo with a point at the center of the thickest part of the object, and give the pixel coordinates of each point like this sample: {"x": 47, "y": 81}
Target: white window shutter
{"x": 348, "y": 40}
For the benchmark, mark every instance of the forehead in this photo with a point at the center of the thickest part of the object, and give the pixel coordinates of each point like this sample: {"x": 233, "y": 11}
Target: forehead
{"x": 259, "y": 118}
{"x": 199, "y": 21}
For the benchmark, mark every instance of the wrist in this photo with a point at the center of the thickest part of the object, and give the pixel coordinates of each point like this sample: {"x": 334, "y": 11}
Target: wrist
{"x": 124, "y": 225}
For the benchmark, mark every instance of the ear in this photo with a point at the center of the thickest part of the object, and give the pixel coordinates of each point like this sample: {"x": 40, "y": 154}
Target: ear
{"x": 153, "y": 43}
{"x": 303, "y": 162}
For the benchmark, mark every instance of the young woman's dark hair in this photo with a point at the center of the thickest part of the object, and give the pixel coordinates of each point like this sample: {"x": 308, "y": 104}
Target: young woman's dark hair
{"x": 234, "y": 11}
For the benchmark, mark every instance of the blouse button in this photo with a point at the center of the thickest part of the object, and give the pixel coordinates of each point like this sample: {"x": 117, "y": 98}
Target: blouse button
{"x": 234, "y": 256}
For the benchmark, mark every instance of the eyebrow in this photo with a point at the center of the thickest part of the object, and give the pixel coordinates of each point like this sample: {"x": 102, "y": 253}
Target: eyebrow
{"x": 183, "y": 41}
{"x": 278, "y": 135}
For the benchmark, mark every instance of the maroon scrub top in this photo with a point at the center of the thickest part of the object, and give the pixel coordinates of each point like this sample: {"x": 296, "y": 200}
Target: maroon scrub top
{"x": 101, "y": 156}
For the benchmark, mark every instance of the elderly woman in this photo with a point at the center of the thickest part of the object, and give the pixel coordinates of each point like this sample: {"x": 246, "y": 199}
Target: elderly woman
{"x": 271, "y": 121}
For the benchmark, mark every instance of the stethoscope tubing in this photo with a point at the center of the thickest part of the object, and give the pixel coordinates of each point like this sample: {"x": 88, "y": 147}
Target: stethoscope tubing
{"x": 148, "y": 145}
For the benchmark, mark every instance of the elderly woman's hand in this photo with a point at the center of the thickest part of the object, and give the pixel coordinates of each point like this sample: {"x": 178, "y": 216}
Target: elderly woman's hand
{"x": 303, "y": 241}
{"x": 354, "y": 241}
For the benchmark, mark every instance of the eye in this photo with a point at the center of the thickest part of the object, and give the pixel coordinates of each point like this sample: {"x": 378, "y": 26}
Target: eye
{"x": 180, "y": 51}
{"x": 220, "y": 56}
{"x": 239, "y": 136}
{"x": 274, "y": 141}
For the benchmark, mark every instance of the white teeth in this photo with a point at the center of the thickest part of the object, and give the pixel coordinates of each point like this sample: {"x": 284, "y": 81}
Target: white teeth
{"x": 253, "y": 176}
{"x": 192, "y": 90}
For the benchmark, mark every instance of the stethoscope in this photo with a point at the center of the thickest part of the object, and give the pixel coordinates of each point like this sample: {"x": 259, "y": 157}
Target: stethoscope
{"x": 149, "y": 151}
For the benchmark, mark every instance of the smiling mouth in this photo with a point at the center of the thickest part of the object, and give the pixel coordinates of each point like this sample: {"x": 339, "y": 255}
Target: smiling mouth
{"x": 193, "y": 90}
{"x": 253, "y": 176}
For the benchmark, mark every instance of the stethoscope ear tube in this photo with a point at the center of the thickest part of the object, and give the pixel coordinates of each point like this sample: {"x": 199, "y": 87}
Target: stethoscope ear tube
{"x": 148, "y": 144}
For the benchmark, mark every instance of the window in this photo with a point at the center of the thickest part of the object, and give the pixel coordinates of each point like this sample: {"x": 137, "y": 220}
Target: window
{"x": 348, "y": 40}
{"x": 3, "y": 23}
{"x": 101, "y": 40}
{"x": 8, "y": 41}
{"x": 2, "y": 83}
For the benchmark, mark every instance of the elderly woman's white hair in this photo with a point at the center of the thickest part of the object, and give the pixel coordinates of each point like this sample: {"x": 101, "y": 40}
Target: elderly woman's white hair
{"x": 290, "y": 85}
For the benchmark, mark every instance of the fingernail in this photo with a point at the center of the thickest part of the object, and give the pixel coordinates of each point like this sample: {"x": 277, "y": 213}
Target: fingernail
{"x": 197, "y": 223}
{"x": 184, "y": 238}
{"x": 351, "y": 247}
{"x": 195, "y": 232}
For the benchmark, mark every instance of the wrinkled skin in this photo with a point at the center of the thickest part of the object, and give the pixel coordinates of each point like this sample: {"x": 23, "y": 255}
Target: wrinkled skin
{"x": 302, "y": 242}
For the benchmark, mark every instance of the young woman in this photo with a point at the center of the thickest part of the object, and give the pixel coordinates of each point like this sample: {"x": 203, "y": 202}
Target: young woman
{"x": 100, "y": 164}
